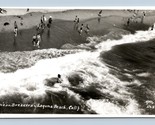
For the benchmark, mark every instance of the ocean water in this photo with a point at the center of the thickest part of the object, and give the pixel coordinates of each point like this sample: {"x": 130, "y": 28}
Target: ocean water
{"x": 93, "y": 82}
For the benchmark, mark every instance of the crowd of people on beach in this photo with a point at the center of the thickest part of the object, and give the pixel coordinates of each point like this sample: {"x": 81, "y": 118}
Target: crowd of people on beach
{"x": 37, "y": 38}
{"x": 86, "y": 28}
{"x": 136, "y": 15}
{"x": 46, "y": 23}
{"x": 80, "y": 27}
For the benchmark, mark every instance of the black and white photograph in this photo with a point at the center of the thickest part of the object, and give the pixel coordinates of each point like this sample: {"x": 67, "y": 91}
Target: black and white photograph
{"x": 84, "y": 61}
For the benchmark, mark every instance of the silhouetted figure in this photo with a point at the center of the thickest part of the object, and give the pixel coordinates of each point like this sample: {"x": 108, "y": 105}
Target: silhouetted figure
{"x": 38, "y": 28}
{"x": 43, "y": 21}
{"x": 77, "y": 24}
{"x": 38, "y": 40}
{"x": 87, "y": 29}
{"x": 15, "y": 31}
{"x": 21, "y": 21}
{"x": 34, "y": 40}
{"x": 15, "y": 25}
{"x": 76, "y": 19}
{"x": 59, "y": 80}
{"x": 100, "y": 13}
{"x": 50, "y": 20}
{"x": 152, "y": 27}
{"x": 128, "y": 22}
{"x": 99, "y": 16}
{"x": 142, "y": 17}
{"x": 15, "y": 34}
{"x": 27, "y": 9}
{"x": 81, "y": 29}
{"x": 54, "y": 80}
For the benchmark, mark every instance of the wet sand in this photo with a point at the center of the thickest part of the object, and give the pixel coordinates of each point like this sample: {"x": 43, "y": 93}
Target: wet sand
{"x": 62, "y": 31}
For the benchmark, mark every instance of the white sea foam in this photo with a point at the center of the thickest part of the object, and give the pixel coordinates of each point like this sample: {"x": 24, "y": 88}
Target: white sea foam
{"x": 139, "y": 36}
{"x": 108, "y": 108}
{"x": 145, "y": 74}
{"x": 88, "y": 66}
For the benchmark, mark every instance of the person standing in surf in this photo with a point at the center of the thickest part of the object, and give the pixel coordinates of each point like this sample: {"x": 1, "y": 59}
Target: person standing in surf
{"x": 50, "y": 20}
{"x": 76, "y": 18}
{"x": 81, "y": 29}
{"x": 15, "y": 29}
{"x": 87, "y": 29}
{"x": 15, "y": 25}
{"x": 38, "y": 28}
{"x": 128, "y": 22}
{"x": 142, "y": 17}
{"x": 99, "y": 16}
{"x": 15, "y": 32}
{"x": 34, "y": 40}
{"x": 77, "y": 24}
{"x": 38, "y": 40}
{"x": 75, "y": 21}
{"x": 43, "y": 21}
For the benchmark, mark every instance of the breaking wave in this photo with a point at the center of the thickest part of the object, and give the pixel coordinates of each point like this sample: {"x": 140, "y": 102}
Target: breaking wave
{"x": 86, "y": 82}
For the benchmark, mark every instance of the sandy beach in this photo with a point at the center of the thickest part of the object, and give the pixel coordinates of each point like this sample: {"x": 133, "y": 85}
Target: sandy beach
{"x": 62, "y": 30}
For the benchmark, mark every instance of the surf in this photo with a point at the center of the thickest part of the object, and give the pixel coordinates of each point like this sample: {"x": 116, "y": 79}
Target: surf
{"x": 85, "y": 76}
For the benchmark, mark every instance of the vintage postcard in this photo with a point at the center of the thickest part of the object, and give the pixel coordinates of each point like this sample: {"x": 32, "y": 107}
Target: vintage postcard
{"x": 77, "y": 62}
